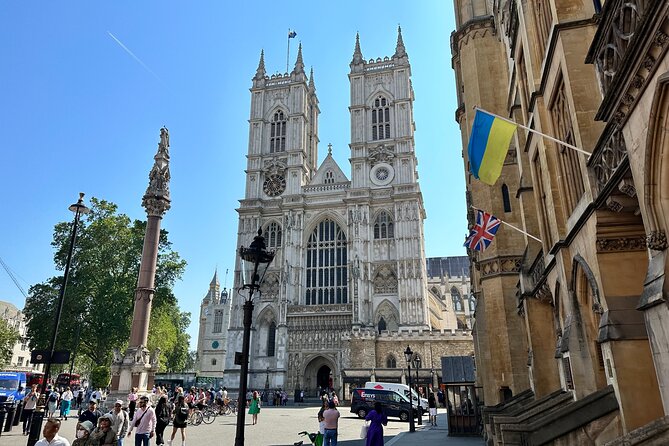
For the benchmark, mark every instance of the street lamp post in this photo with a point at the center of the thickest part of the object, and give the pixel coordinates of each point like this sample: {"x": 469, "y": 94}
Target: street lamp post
{"x": 38, "y": 416}
{"x": 256, "y": 260}
{"x": 419, "y": 408}
{"x": 408, "y": 356}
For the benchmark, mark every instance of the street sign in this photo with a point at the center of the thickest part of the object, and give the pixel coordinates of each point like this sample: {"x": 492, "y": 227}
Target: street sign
{"x": 42, "y": 357}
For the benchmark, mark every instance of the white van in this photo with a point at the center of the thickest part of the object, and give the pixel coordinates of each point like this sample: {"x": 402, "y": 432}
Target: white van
{"x": 402, "y": 389}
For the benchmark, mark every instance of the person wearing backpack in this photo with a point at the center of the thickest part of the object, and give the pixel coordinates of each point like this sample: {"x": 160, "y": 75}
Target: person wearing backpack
{"x": 52, "y": 403}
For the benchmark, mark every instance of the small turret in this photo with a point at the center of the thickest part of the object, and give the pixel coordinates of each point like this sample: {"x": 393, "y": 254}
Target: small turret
{"x": 400, "y": 51}
{"x": 260, "y": 72}
{"x": 312, "y": 86}
{"x": 299, "y": 63}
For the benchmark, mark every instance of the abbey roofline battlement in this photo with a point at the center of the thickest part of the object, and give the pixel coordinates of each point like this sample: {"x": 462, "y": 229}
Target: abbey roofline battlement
{"x": 412, "y": 334}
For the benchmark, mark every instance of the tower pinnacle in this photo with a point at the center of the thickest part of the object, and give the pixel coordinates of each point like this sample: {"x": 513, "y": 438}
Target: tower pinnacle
{"x": 400, "y": 51}
{"x": 357, "y": 54}
{"x": 260, "y": 72}
{"x": 299, "y": 64}
{"x": 312, "y": 86}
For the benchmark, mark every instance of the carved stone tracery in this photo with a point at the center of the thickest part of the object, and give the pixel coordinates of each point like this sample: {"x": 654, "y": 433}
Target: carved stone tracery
{"x": 385, "y": 279}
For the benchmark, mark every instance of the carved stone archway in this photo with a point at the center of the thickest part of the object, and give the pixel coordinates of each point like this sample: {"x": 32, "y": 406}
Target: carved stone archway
{"x": 314, "y": 369}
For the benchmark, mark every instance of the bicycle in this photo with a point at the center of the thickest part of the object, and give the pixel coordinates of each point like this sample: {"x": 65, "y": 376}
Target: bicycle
{"x": 209, "y": 415}
{"x": 195, "y": 418}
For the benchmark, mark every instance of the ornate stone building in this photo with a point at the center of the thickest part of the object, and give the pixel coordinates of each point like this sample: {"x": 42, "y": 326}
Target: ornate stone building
{"x": 578, "y": 321}
{"x": 212, "y": 335}
{"x": 347, "y": 288}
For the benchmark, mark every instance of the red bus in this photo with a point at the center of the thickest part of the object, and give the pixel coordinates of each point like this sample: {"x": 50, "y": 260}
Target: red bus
{"x": 34, "y": 378}
{"x": 64, "y": 380}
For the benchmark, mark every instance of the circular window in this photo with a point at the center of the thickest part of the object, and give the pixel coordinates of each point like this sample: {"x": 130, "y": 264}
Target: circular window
{"x": 382, "y": 174}
{"x": 215, "y": 344}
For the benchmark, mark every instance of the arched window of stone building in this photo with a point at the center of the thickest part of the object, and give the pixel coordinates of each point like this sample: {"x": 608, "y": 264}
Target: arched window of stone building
{"x": 383, "y": 227}
{"x": 273, "y": 235}
{"x": 277, "y": 134}
{"x": 326, "y": 265}
{"x": 381, "y": 118}
{"x": 472, "y": 303}
{"x": 218, "y": 321}
{"x": 271, "y": 339}
{"x": 213, "y": 361}
{"x": 505, "y": 198}
{"x": 329, "y": 177}
{"x": 382, "y": 325}
{"x": 391, "y": 362}
{"x": 457, "y": 299}
{"x": 385, "y": 280}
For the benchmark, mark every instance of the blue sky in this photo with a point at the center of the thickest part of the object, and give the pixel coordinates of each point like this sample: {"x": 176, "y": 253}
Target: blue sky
{"x": 79, "y": 114}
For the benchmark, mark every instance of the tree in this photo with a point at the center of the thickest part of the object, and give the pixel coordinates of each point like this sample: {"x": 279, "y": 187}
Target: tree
{"x": 99, "y": 298}
{"x": 100, "y": 376}
{"x": 9, "y": 336}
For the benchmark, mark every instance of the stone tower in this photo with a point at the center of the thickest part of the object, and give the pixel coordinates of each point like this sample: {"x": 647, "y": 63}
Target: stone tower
{"x": 212, "y": 337}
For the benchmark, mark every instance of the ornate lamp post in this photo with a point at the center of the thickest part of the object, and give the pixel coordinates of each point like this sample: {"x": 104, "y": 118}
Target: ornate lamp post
{"x": 79, "y": 209}
{"x": 408, "y": 354}
{"x": 255, "y": 260}
{"x": 416, "y": 363}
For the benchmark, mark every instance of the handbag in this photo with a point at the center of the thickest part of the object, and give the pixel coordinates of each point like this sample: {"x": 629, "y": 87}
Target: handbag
{"x": 363, "y": 430}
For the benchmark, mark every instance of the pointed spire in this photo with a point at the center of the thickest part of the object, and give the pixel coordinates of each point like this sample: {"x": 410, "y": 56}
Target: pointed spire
{"x": 330, "y": 149}
{"x": 260, "y": 72}
{"x": 400, "y": 51}
{"x": 357, "y": 54}
{"x": 312, "y": 87}
{"x": 214, "y": 280}
{"x": 299, "y": 64}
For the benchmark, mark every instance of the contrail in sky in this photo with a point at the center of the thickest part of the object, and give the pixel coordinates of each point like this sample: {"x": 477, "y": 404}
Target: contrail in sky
{"x": 135, "y": 57}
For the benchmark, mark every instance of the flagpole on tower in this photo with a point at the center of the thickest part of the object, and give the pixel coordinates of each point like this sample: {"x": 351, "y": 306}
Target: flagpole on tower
{"x": 288, "y": 52}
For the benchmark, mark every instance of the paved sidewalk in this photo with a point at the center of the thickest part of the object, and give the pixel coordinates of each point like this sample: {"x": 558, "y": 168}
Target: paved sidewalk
{"x": 433, "y": 435}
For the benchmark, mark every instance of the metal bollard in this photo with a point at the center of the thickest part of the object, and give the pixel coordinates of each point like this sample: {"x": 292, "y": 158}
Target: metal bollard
{"x": 17, "y": 415}
{"x": 9, "y": 418}
{"x": 36, "y": 427}
{"x": 3, "y": 412}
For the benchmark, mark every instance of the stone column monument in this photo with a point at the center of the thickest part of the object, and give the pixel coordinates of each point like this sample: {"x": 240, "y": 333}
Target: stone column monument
{"x": 138, "y": 365}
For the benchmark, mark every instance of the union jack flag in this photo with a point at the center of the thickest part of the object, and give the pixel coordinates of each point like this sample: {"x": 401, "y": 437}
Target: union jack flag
{"x": 483, "y": 232}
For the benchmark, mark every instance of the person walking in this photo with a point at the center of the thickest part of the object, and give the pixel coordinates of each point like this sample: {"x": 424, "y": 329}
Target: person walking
{"x": 120, "y": 421}
{"x": 377, "y": 420}
{"x": 52, "y": 403}
{"x": 104, "y": 434}
{"x": 180, "y": 419}
{"x": 65, "y": 403}
{"x": 432, "y": 405}
{"x": 91, "y": 414}
{"x": 254, "y": 407}
{"x": 132, "y": 402}
{"x": 144, "y": 421}
{"x": 29, "y": 408}
{"x": 331, "y": 418}
{"x": 51, "y": 437}
{"x": 163, "y": 416}
{"x": 84, "y": 435}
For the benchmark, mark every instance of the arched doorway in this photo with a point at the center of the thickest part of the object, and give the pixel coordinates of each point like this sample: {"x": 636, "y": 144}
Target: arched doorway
{"x": 319, "y": 374}
{"x": 324, "y": 377}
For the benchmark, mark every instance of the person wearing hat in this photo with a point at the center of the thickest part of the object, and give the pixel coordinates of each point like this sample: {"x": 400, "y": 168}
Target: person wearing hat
{"x": 120, "y": 421}
{"x": 91, "y": 414}
{"x": 84, "y": 435}
{"x": 144, "y": 421}
{"x": 104, "y": 434}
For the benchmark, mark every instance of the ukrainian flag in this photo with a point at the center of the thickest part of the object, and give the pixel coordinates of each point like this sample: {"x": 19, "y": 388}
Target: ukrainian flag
{"x": 488, "y": 146}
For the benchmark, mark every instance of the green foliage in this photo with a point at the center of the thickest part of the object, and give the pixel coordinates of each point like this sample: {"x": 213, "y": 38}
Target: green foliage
{"x": 9, "y": 336}
{"x": 99, "y": 298}
{"x": 100, "y": 376}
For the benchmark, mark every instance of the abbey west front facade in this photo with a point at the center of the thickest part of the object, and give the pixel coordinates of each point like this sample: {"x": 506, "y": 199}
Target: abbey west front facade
{"x": 347, "y": 290}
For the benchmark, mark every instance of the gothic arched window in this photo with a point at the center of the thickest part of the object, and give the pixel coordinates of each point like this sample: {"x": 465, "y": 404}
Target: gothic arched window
{"x": 383, "y": 227}
{"x": 277, "y": 135}
{"x": 391, "y": 362}
{"x": 213, "y": 361}
{"x": 382, "y": 325}
{"x": 326, "y": 265}
{"x": 218, "y": 321}
{"x": 457, "y": 299}
{"x": 273, "y": 235}
{"x": 329, "y": 177}
{"x": 381, "y": 118}
{"x": 505, "y": 198}
{"x": 271, "y": 339}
